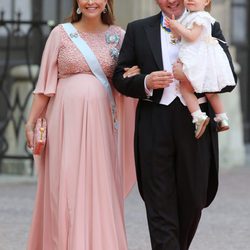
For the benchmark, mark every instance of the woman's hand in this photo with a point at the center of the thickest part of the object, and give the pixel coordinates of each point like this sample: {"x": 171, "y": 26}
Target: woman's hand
{"x": 133, "y": 71}
{"x": 29, "y": 133}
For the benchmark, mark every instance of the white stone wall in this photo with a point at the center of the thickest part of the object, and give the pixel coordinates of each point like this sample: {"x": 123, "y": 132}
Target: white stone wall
{"x": 129, "y": 10}
{"x": 221, "y": 11}
{"x": 231, "y": 143}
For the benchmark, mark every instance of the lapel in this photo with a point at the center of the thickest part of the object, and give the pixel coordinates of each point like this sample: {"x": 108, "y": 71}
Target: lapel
{"x": 154, "y": 37}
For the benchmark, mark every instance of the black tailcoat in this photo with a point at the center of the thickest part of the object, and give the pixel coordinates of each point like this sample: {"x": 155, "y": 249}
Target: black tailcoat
{"x": 142, "y": 47}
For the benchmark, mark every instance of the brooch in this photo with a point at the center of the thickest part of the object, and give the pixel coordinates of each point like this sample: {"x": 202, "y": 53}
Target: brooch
{"x": 113, "y": 39}
{"x": 73, "y": 35}
{"x": 114, "y": 52}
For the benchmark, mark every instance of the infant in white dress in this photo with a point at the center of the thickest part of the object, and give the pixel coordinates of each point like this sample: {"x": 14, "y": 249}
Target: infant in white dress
{"x": 204, "y": 63}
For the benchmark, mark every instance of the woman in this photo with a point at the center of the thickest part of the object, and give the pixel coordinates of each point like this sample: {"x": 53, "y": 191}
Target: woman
{"x": 79, "y": 202}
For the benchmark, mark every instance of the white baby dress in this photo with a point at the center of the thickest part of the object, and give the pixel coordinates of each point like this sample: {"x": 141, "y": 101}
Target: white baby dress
{"x": 204, "y": 62}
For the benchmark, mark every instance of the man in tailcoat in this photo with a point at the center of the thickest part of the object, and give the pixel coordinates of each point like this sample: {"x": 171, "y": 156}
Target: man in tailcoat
{"x": 177, "y": 174}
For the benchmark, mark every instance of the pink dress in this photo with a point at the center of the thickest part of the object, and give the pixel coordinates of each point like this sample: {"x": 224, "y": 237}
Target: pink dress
{"x": 85, "y": 170}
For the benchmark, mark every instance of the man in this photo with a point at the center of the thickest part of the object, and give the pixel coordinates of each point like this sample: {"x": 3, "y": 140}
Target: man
{"x": 177, "y": 174}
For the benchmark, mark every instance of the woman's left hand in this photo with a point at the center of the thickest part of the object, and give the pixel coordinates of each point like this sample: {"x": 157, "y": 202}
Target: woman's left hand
{"x": 29, "y": 133}
{"x": 133, "y": 71}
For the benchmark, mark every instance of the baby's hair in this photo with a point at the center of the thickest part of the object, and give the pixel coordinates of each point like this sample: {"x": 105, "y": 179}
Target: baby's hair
{"x": 208, "y": 7}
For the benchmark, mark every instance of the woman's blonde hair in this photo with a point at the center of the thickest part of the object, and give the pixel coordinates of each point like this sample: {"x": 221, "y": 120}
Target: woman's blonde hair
{"x": 107, "y": 18}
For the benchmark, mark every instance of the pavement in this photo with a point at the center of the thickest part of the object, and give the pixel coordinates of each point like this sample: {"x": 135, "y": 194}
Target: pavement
{"x": 225, "y": 225}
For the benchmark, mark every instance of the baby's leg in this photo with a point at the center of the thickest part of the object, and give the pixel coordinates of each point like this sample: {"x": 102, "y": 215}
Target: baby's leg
{"x": 216, "y": 103}
{"x": 199, "y": 118}
{"x": 191, "y": 100}
{"x": 220, "y": 115}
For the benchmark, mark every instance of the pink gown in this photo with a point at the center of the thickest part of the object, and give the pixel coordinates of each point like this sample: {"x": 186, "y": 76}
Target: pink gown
{"x": 85, "y": 171}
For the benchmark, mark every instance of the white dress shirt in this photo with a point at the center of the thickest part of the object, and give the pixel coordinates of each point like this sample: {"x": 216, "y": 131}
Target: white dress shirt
{"x": 169, "y": 57}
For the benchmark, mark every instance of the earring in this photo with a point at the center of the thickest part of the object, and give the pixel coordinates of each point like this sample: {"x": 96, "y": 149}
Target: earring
{"x": 105, "y": 10}
{"x": 78, "y": 11}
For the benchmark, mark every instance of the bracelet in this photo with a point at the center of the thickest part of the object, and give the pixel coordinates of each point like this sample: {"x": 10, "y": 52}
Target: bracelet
{"x": 30, "y": 126}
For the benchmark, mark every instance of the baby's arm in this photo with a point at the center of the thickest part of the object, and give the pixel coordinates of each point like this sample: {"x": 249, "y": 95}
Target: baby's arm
{"x": 189, "y": 35}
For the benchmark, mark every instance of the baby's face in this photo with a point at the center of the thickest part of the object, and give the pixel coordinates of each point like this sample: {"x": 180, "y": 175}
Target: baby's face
{"x": 196, "y": 5}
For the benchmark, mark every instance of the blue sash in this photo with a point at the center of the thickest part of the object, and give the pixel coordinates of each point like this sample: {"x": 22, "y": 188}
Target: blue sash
{"x": 94, "y": 65}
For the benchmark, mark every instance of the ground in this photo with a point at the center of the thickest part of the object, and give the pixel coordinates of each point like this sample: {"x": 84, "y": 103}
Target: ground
{"x": 225, "y": 225}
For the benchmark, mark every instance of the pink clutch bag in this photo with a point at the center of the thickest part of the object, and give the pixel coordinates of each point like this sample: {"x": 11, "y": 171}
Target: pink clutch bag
{"x": 40, "y": 132}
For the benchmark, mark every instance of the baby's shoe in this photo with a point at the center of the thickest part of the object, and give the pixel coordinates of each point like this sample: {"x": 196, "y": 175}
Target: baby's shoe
{"x": 201, "y": 123}
{"x": 221, "y": 123}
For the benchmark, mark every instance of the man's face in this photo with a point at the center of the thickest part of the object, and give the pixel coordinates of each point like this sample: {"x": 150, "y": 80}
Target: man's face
{"x": 171, "y": 7}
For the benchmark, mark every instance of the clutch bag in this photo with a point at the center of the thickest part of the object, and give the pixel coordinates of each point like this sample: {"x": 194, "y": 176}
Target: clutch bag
{"x": 40, "y": 133}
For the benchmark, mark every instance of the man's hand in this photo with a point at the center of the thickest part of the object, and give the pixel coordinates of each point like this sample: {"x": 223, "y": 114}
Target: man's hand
{"x": 159, "y": 80}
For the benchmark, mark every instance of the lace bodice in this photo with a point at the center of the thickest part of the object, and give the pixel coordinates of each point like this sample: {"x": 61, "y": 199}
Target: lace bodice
{"x": 61, "y": 58}
{"x": 70, "y": 59}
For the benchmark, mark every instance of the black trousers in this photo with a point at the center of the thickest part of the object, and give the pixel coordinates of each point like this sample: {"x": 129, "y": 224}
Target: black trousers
{"x": 173, "y": 172}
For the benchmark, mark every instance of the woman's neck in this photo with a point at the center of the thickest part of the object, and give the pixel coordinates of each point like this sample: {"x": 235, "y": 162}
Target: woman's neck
{"x": 91, "y": 25}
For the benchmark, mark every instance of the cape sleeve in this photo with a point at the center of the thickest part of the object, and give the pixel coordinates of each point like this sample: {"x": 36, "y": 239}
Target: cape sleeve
{"x": 201, "y": 18}
{"x": 48, "y": 75}
{"x": 126, "y": 107}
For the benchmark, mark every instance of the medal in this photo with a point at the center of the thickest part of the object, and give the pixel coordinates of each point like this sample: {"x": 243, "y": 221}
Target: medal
{"x": 173, "y": 39}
